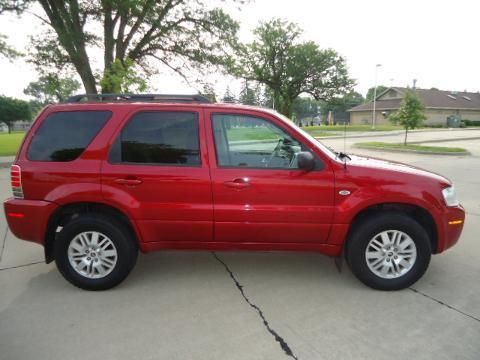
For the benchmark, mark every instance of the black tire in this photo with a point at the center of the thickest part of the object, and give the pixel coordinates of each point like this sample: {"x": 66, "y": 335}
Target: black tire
{"x": 119, "y": 234}
{"x": 360, "y": 237}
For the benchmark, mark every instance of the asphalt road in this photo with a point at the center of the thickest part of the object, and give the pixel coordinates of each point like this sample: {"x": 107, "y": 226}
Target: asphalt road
{"x": 190, "y": 305}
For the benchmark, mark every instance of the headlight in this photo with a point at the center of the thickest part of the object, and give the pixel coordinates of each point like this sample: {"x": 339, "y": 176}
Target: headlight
{"x": 450, "y": 196}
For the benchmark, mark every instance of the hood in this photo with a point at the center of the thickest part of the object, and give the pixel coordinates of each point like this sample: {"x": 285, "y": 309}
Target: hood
{"x": 380, "y": 164}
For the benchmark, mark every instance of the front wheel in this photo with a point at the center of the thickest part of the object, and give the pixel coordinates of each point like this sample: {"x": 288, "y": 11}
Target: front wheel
{"x": 95, "y": 252}
{"x": 388, "y": 251}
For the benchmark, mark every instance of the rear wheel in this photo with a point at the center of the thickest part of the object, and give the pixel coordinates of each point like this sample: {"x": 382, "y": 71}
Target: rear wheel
{"x": 388, "y": 251}
{"x": 95, "y": 252}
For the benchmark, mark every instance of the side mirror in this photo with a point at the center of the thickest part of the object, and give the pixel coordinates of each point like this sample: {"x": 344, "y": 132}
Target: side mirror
{"x": 305, "y": 161}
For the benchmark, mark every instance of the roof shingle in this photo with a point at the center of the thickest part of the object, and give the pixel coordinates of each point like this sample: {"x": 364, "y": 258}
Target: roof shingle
{"x": 432, "y": 98}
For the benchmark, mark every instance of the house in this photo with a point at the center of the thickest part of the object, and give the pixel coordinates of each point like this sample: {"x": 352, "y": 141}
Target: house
{"x": 20, "y": 125}
{"x": 439, "y": 106}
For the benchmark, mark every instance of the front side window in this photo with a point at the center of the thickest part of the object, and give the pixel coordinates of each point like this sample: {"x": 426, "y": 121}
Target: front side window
{"x": 163, "y": 138}
{"x": 63, "y": 136}
{"x": 251, "y": 142}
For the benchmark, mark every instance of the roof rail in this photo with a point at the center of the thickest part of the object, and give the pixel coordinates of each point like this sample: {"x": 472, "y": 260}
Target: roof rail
{"x": 137, "y": 97}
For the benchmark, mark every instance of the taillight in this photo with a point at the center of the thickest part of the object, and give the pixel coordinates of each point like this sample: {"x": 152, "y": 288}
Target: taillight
{"x": 16, "y": 181}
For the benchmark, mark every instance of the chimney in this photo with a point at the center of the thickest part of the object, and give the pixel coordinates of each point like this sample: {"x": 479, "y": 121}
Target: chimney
{"x": 414, "y": 84}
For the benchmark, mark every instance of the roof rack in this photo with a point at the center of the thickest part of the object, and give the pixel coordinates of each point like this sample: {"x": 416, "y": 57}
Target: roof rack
{"x": 137, "y": 97}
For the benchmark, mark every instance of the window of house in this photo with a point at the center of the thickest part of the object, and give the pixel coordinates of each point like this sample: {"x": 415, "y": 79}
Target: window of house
{"x": 160, "y": 137}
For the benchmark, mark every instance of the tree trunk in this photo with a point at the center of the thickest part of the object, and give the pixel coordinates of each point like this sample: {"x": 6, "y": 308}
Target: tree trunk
{"x": 108, "y": 38}
{"x": 406, "y": 134}
{"x": 87, "y": 77}
{"x": 69, "y": 28}
{"x": 285, "y": 110}
{"x": 286, "y": 107}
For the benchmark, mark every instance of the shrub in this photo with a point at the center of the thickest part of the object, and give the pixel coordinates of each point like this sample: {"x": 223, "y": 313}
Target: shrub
{"x": 472, "y": 122}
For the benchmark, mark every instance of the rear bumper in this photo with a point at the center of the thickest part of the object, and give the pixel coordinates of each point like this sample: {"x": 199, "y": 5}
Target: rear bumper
{"x": 28, "y": 219}
{"x": 451, "y": 227}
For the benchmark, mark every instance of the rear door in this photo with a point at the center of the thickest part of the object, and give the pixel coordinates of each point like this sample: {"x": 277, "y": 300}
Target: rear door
{"x": 158, "y": 171}
{"x": 259, "y": 194}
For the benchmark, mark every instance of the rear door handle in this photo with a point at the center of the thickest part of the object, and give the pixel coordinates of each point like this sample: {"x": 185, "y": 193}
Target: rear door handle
{"x": 239, "y": 183}
{"x": 128, "y": 182}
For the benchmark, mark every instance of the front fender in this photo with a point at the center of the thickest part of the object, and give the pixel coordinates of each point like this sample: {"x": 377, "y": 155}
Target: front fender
{"x": 347, "y": 209}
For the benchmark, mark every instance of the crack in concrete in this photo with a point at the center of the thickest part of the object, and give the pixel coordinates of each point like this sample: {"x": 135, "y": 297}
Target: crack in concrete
{"x": 3, "y": 243}
{"x": 24, "y": 265}
{"x": 283, "y": 344}
{"x": 444, "y": 304}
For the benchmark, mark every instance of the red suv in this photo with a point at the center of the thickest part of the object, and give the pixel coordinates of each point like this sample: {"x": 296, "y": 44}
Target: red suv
{"x": 100, "y": 177}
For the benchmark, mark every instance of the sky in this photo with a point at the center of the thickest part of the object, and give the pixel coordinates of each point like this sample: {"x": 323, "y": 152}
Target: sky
{"x": 434, "y": 42}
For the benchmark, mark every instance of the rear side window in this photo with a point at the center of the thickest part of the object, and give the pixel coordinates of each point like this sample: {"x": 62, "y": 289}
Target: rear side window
{"x": 63, "y": 136}
{"x": 160, "y": 137}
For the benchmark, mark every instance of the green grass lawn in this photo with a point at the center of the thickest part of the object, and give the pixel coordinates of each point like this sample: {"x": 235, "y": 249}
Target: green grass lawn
{"x": 9, "y": 143}
{"x": 411, "y": 147}
{"x": 248, "y": 133}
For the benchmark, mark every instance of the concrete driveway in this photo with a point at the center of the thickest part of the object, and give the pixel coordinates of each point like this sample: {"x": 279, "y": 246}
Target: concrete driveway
{"x": 199, "y": 305}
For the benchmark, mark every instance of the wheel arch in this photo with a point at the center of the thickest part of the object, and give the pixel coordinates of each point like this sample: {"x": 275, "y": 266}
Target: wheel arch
{"x": 66, "y": 213}
{"x": 416, "y": 212}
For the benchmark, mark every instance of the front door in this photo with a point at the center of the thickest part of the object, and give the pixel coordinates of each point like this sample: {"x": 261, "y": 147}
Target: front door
{"x": 259, "y": 193}
{"x": 158, "y": 172}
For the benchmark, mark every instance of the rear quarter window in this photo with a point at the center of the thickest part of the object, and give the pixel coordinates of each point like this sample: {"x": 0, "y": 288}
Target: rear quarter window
{"x": 64, "y": 136}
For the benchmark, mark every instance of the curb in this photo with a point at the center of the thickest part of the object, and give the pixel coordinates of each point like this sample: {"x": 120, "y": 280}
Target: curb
{"x": 413, "y": 151}
{"x": 445, "y": 140}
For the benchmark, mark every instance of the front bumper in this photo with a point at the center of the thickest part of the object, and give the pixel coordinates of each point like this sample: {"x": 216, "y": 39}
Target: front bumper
{"x": 28, "y": 219}
{"x": 451, "y": 227}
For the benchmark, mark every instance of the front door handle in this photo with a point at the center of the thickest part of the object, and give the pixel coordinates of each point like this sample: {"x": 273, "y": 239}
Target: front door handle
{"x": 239, "y": 183}
{"x": 128, "y": 181}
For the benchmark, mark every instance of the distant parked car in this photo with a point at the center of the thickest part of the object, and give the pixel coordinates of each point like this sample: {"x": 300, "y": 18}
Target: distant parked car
{"x": 100, "y": 177}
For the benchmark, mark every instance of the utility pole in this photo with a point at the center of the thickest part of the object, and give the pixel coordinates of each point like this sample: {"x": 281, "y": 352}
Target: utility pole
{"x": 375, "y": 96}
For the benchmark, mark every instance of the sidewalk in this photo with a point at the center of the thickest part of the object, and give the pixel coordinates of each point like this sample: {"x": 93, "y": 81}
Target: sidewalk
{"x": 6, "y": 161}
{"x": 420, "y": 135}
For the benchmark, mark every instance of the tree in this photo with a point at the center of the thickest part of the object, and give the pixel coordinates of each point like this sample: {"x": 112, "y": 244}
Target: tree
{"x": 35, "y": 107}
{"x": 51, "y": 88}
{"x": 136, "y": 37}
{"x": 209, "y": 92}
{"x": 370, "y": 92}
{"x": 304, "y": 107}
{"x": 266, "y": 97}
{"x": 6, "y": 50}
{"x": 12, "y": 110}
{"x": 288, "y": 67}
{"x": 249, "y": 95}
{"x": 343, "y": 103}
{"x": 410, "y": 114}
{"x": 229, "y": 97}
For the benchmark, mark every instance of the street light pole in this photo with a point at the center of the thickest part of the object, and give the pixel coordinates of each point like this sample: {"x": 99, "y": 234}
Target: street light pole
{"x": 375, "y": 96}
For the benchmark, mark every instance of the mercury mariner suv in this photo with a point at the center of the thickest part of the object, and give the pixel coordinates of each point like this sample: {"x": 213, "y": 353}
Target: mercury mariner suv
{"x": 100, "y": 177}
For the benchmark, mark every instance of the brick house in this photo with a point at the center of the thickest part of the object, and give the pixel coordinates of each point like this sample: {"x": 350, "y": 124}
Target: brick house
{"x": 439, "y": 105}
